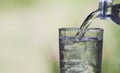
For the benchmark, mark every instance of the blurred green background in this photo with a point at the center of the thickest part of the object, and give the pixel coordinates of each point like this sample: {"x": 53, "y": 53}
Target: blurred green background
{"x": 29, "y": 34}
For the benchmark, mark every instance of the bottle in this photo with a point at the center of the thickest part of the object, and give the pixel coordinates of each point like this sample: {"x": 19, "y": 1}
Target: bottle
{"x": 115, "y": 13}
{"x": 108, "y": 10}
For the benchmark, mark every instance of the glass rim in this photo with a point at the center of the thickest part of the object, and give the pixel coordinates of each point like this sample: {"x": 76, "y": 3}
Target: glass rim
{"x": 78, "y": 29}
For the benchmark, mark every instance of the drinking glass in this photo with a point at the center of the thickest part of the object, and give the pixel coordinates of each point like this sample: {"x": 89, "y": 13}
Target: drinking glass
{"x": 81, "y": 53}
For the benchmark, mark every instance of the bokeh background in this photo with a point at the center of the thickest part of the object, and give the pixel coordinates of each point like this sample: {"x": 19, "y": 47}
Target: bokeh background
{"x": 29, "y": 34}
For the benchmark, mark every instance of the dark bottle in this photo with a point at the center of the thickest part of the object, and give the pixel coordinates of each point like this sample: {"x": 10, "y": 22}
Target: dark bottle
{"x": 109, "y": 10}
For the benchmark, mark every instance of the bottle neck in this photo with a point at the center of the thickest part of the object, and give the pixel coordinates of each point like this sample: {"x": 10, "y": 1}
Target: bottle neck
{"x": 104, "y": 9}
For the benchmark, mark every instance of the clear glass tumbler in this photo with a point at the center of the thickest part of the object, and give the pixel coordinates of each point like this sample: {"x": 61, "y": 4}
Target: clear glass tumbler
{"x": 80, "y": 53}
